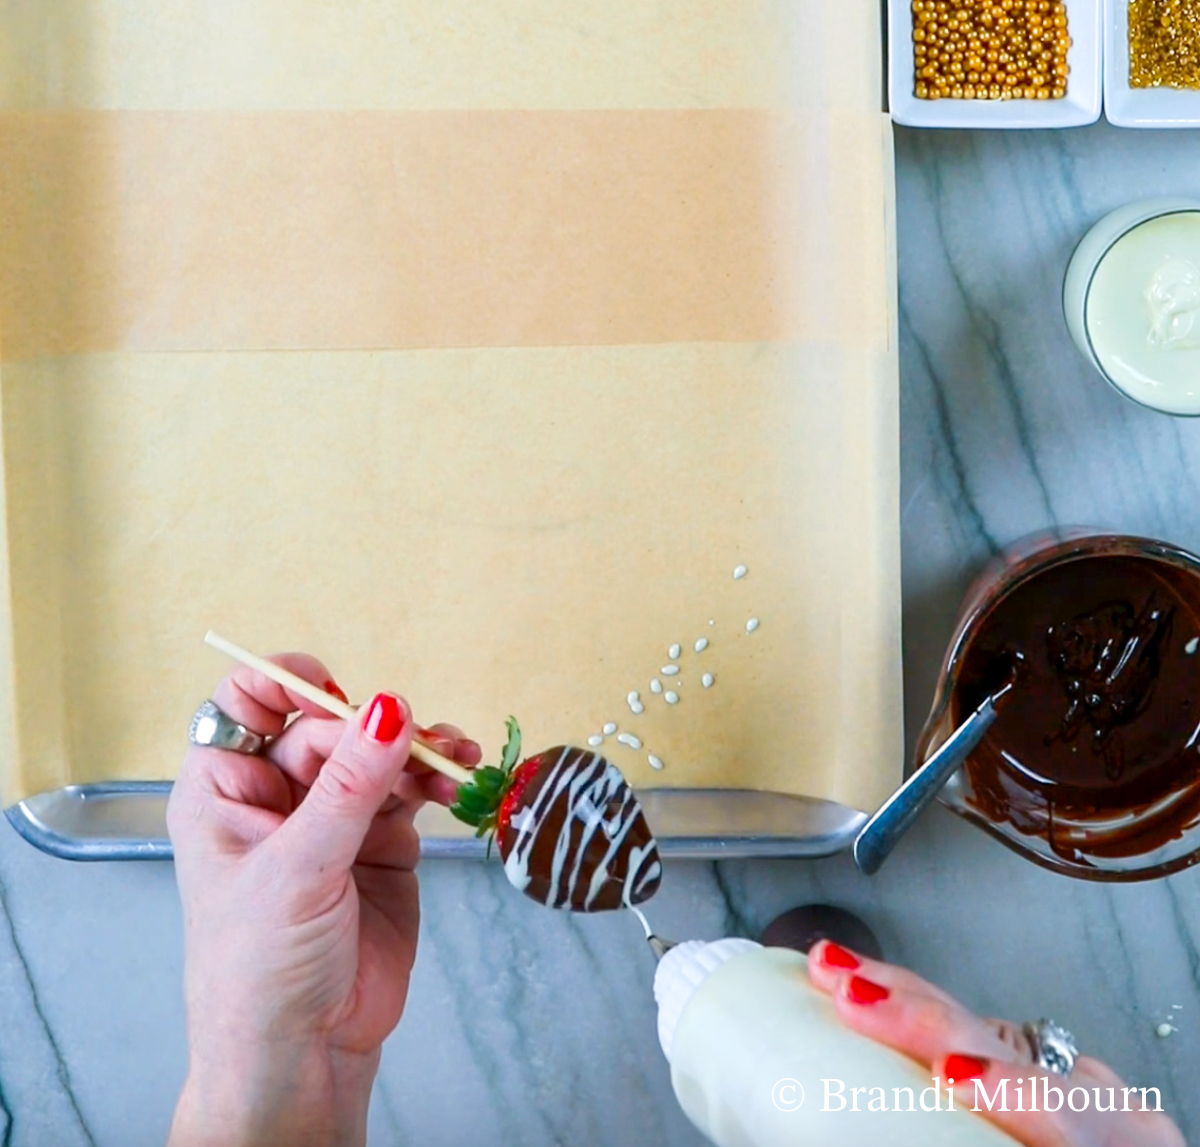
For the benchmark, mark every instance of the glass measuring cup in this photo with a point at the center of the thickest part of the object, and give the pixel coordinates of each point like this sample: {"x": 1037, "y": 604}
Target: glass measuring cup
{"x": 1135, "y": 843}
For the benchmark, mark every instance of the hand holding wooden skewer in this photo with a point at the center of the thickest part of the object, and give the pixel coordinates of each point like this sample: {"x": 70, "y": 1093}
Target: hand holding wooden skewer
{"x": 330, "y": 703}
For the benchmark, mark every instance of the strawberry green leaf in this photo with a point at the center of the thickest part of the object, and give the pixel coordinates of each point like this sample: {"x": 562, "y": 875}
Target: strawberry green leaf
{"x": 465, "y": 815}
{"x": 512, "y": 750}
{"x": 473, "y": 801}
{"x": 489, "y": 779}
{"x": 477, "y": 801}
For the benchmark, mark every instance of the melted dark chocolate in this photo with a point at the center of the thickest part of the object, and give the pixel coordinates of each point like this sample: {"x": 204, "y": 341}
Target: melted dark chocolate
{"x": 578, "y": 839}
{"x": 1104, "y": 715}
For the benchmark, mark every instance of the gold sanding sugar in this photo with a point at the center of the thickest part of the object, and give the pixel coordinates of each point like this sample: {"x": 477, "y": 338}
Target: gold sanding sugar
{"x": 1164, "y": 43}
{"x": 990, "y": 49}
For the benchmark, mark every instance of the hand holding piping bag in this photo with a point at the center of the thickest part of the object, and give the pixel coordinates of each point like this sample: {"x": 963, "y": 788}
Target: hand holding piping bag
{"x": 893, "y": 1006}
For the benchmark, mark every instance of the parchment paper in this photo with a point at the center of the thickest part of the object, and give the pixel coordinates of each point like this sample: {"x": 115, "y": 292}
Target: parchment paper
{"x": 469, "y": 347}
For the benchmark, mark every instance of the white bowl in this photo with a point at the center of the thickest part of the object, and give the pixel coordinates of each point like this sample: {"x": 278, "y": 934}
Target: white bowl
{"x": 1080, "y": 106}
{"x": 1138, "y": 107}
{"x": 1081, "y": 272}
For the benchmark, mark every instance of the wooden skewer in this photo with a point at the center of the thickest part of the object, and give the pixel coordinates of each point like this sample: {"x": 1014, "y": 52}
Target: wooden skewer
{"x": 329, "y": 702}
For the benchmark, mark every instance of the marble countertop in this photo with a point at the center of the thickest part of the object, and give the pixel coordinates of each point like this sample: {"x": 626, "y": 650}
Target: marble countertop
{"x": 528, "y": 1027}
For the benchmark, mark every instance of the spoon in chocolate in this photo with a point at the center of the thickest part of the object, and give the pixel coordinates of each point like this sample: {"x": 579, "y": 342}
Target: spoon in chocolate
{"x": 896, "y": 815}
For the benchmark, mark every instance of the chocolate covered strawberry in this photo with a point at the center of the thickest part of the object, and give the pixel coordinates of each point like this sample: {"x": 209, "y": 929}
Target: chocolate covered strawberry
{"x": 569, "y": 829}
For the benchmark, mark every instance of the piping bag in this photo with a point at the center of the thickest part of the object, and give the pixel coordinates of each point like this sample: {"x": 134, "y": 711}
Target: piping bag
{"x": 759, "y": 1058}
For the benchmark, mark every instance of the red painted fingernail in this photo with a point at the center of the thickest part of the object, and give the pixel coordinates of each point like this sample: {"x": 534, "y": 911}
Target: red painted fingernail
{"x": 385, "y": 719}
{"x": 964, "y": 1067}
{"x": 331, "y": 687}
{"x": 834, "y": 956}
{"x": 863, "y": 991}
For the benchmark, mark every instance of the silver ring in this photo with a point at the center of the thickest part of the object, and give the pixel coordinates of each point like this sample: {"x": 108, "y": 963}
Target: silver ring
{"x": 1054, "y": 1048}
{"x": 213, "y": 728}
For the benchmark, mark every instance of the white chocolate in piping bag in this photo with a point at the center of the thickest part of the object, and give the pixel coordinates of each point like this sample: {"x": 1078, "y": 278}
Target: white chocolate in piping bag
{"x": 751, "y": 1044}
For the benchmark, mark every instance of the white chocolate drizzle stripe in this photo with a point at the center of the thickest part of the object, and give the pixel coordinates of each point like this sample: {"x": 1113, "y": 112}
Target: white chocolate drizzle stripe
{"x": 587, "y": 794}
{"x": 578, "y": 788}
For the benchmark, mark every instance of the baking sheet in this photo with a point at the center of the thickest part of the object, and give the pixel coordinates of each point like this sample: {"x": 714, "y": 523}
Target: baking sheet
{"x": 470, "y": 349}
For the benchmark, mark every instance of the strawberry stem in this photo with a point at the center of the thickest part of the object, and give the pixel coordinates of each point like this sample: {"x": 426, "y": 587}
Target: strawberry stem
{"x": 478, "y": 800}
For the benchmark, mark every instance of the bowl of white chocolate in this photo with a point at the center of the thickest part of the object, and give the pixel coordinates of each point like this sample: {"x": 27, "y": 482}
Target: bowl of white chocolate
{"x": 1131, "y": 298}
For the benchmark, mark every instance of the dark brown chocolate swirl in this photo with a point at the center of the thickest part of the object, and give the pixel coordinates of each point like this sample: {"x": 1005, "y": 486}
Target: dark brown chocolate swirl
{"x": 1096, "y": 746}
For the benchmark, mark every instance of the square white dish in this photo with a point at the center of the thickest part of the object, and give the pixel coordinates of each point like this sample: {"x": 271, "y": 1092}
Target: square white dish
{"x": 1138, "y": 107}
{"x": 1080, "y": 106}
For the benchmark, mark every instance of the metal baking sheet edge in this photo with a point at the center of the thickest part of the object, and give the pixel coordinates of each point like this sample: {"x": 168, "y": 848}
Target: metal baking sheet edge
{"x": 126, "y": 820}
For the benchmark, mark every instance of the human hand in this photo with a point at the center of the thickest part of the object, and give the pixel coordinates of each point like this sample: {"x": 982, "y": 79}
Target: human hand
{"x": 296, "y": 871}
{"x": 896, "y": 1007}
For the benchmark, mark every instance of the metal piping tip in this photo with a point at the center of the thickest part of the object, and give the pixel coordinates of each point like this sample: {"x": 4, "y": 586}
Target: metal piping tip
{"x": 658, "y": 945}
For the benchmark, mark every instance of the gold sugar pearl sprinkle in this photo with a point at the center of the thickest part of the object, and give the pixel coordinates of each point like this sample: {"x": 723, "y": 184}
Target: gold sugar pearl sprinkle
{"x": 1164, "y": 43}
{"x": 994, "y": 49}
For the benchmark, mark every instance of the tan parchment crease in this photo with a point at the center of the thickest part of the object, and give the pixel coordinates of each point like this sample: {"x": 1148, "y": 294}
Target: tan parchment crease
{"x": 296, "y": 231}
